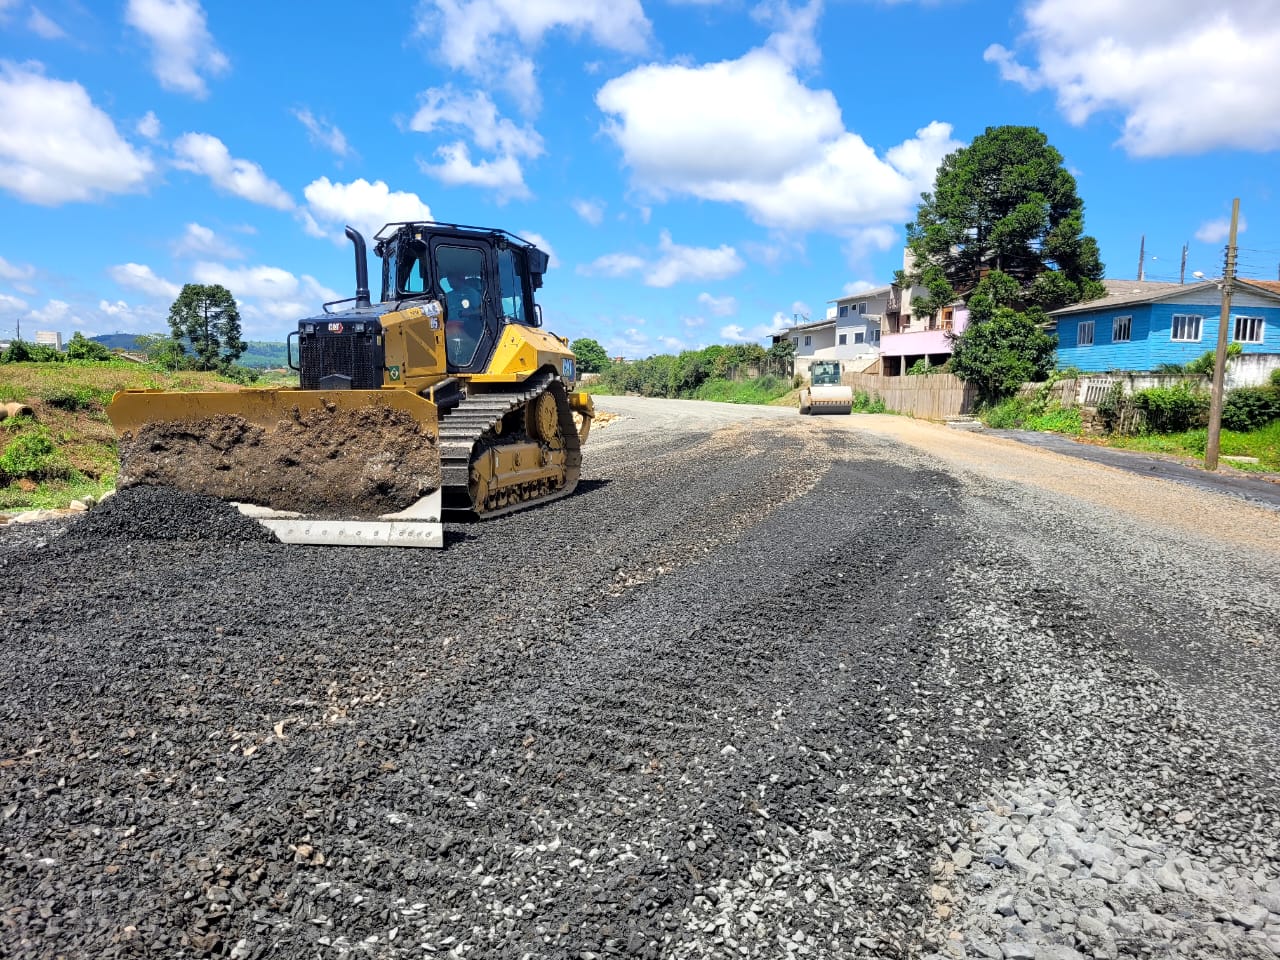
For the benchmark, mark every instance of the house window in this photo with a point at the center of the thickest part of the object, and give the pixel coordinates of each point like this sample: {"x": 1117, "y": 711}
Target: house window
{"x": 1084, "y": 334}
{"x": 1121, "y": 329}
{"x": 948, "y": 318}
{"x": 796, "y": 341}
{"x": 862, "y": 307}
{"x": 844, "y": 339}
{"x": 859, "y": 336}
{"x": 808, "y": 341}
{"x": 1186, "y": 327}
{"x": 844, "y": 309}
{"x": 1249, "y": 330}
{"x": 875, "y": 336}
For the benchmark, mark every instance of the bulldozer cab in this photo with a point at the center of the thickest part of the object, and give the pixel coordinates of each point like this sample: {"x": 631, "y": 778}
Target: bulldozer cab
{"x": 484, "y": 280}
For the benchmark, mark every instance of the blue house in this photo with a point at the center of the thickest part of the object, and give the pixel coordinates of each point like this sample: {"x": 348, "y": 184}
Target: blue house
{"x": 1141, "y": 324}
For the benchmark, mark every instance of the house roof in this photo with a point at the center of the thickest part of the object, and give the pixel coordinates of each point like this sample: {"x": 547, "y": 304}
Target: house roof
{"x": 1122, "y": 293}
{"x": 863, "y": 294}
{"x": 816, "y": 324}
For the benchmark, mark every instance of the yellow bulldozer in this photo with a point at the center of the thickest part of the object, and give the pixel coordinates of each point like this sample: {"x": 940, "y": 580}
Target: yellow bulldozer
{"x": 446, "y": 395}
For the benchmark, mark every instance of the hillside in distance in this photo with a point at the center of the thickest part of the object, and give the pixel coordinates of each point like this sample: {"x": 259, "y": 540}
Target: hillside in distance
{"x": 259, "y": 354}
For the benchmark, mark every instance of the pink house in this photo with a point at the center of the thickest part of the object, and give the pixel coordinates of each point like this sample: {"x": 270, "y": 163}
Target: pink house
{"x": 910, "y": 338}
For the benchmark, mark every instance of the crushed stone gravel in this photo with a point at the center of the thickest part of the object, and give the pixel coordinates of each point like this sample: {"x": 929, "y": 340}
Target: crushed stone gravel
{"x": 761, "y": 687}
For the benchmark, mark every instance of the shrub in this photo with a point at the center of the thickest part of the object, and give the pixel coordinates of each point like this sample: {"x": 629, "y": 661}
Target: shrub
{"x": 1203, "y": 364}
{"x": 1008, "y": 414}
{"x": 1057, "y": 420}
{"x": 241, "y": 375}
{"x": 34, "y": 456}
{"x": 921, "y": 367}
{"x": 1171, "y": 409}
{"x": 78, "y": 397}
{"x": 1251, "y": 408}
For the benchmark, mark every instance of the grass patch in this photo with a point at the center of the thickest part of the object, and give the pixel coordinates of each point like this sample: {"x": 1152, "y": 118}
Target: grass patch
{"x": 70, "y": 399}
{"x": 1023, "y": 413}
{"x": 762, "y": 390}
{"x": 1263, "y": 443}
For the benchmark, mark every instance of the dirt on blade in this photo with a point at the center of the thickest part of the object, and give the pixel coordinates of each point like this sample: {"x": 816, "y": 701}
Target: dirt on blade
{"x": 337, "y": 463}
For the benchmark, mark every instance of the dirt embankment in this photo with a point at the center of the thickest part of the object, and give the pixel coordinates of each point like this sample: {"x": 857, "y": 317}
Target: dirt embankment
{"x": 338, "y": 463}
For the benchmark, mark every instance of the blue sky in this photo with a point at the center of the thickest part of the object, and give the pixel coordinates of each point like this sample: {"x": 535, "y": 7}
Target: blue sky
{"x": 699, "y": 170}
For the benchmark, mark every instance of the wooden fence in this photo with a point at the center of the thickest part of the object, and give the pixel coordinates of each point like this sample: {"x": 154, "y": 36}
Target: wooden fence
{"x": 934, "y": 396}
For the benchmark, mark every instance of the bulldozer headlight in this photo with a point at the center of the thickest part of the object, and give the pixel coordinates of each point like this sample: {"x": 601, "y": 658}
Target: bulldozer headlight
{"x": 309, "y": 328}
{"x": 357, "y": 328}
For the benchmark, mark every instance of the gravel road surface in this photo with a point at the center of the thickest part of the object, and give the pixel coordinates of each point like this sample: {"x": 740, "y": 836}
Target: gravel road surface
{"x": 766, "y": 686}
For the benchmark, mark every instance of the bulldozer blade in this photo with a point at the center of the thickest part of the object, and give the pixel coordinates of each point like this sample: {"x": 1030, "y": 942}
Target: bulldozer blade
{"x": 331, "y": 455}
{"x": 418, "y": 526}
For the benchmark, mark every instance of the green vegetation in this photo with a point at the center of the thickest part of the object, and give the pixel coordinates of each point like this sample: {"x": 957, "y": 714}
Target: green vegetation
{"x": 1001, "y": 349}
{"x": 592, "y": 358}
{"x": 1263, "y": 444}
{"x": 205, "y": 318}
{"x": 68, "y": 450}
{"x": 1005, "y": 203}
{"x": 761, "y": 390}
{"x": 741, "y": 373}
{"x": 864, "y": 402}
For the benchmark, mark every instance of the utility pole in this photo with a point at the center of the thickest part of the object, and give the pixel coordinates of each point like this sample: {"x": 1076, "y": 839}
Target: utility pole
{"x": 1182, "y": 273}
{"x": 1220, "y": 358}
{"x": 1142, "y": 258}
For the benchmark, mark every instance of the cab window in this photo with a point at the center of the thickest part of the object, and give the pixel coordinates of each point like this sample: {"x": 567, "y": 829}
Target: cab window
{"x": 511, "y": 276}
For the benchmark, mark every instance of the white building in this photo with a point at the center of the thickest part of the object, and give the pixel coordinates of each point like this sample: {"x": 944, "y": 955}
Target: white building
{"x": 49, "y": 338}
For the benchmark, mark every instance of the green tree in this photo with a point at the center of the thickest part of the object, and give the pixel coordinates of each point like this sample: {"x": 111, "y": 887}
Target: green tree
{"x": 80, "y": 347}
{"x": 1005, "y": 203}
{"x": 205, "y": 316}
{"x": 592, "y": 357}
{"x": 1001, "y": 348}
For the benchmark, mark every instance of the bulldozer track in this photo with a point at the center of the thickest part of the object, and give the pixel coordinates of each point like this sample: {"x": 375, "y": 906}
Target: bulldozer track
{"x": 463, "y": 426}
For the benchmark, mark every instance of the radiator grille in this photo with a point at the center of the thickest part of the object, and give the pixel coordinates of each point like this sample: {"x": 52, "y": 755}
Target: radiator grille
{"x": 353, "y": 355}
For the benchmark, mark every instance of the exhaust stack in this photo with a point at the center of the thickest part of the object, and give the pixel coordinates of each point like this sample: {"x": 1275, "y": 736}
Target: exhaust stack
{"x": 362, "y": 267}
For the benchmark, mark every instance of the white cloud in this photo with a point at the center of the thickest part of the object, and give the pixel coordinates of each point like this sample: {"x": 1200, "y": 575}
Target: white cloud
{"x": 200, "y": 241}
{"x": 117, "y": 309}
{"x": 792, "y": 165}
{"x": 56, "y": 146}
{"x": 16, "y": 271}
{"x": 11, "y": 305}
{"x": 149, "y": 126}
{"x": 475, "y": 115}
{"x": 269, "y": 297}
{"x": 476, "y": 34}
{"x": 502, "y": 175}
{"x": 674, "y": 264}
{"x": 592, "y": 211}
{"x": 614, "y": 265}
{"x": 539, "y": 241}
{"x": 40, "y": 24}
{"x": 780, "y": 321}
{"x": 794, "y": 37}
{"x": 364, "y": 205}
{"x": 140, "y": 277}
{"x": 855, "y": 287}
{"x": 323, "y": 133}
{"x": 693, "y": 322}
{"x": 1216, "y": 231}
{"x": 183, "y": 52}
{"x": 1192, "y": 79}
{"x": 718, "y": 306}
{"x": 205, "y": 154}
{"x": 55, "y": 314}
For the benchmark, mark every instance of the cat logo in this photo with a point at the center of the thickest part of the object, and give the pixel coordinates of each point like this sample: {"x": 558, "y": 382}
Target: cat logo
{"x": 394, "y": 372}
